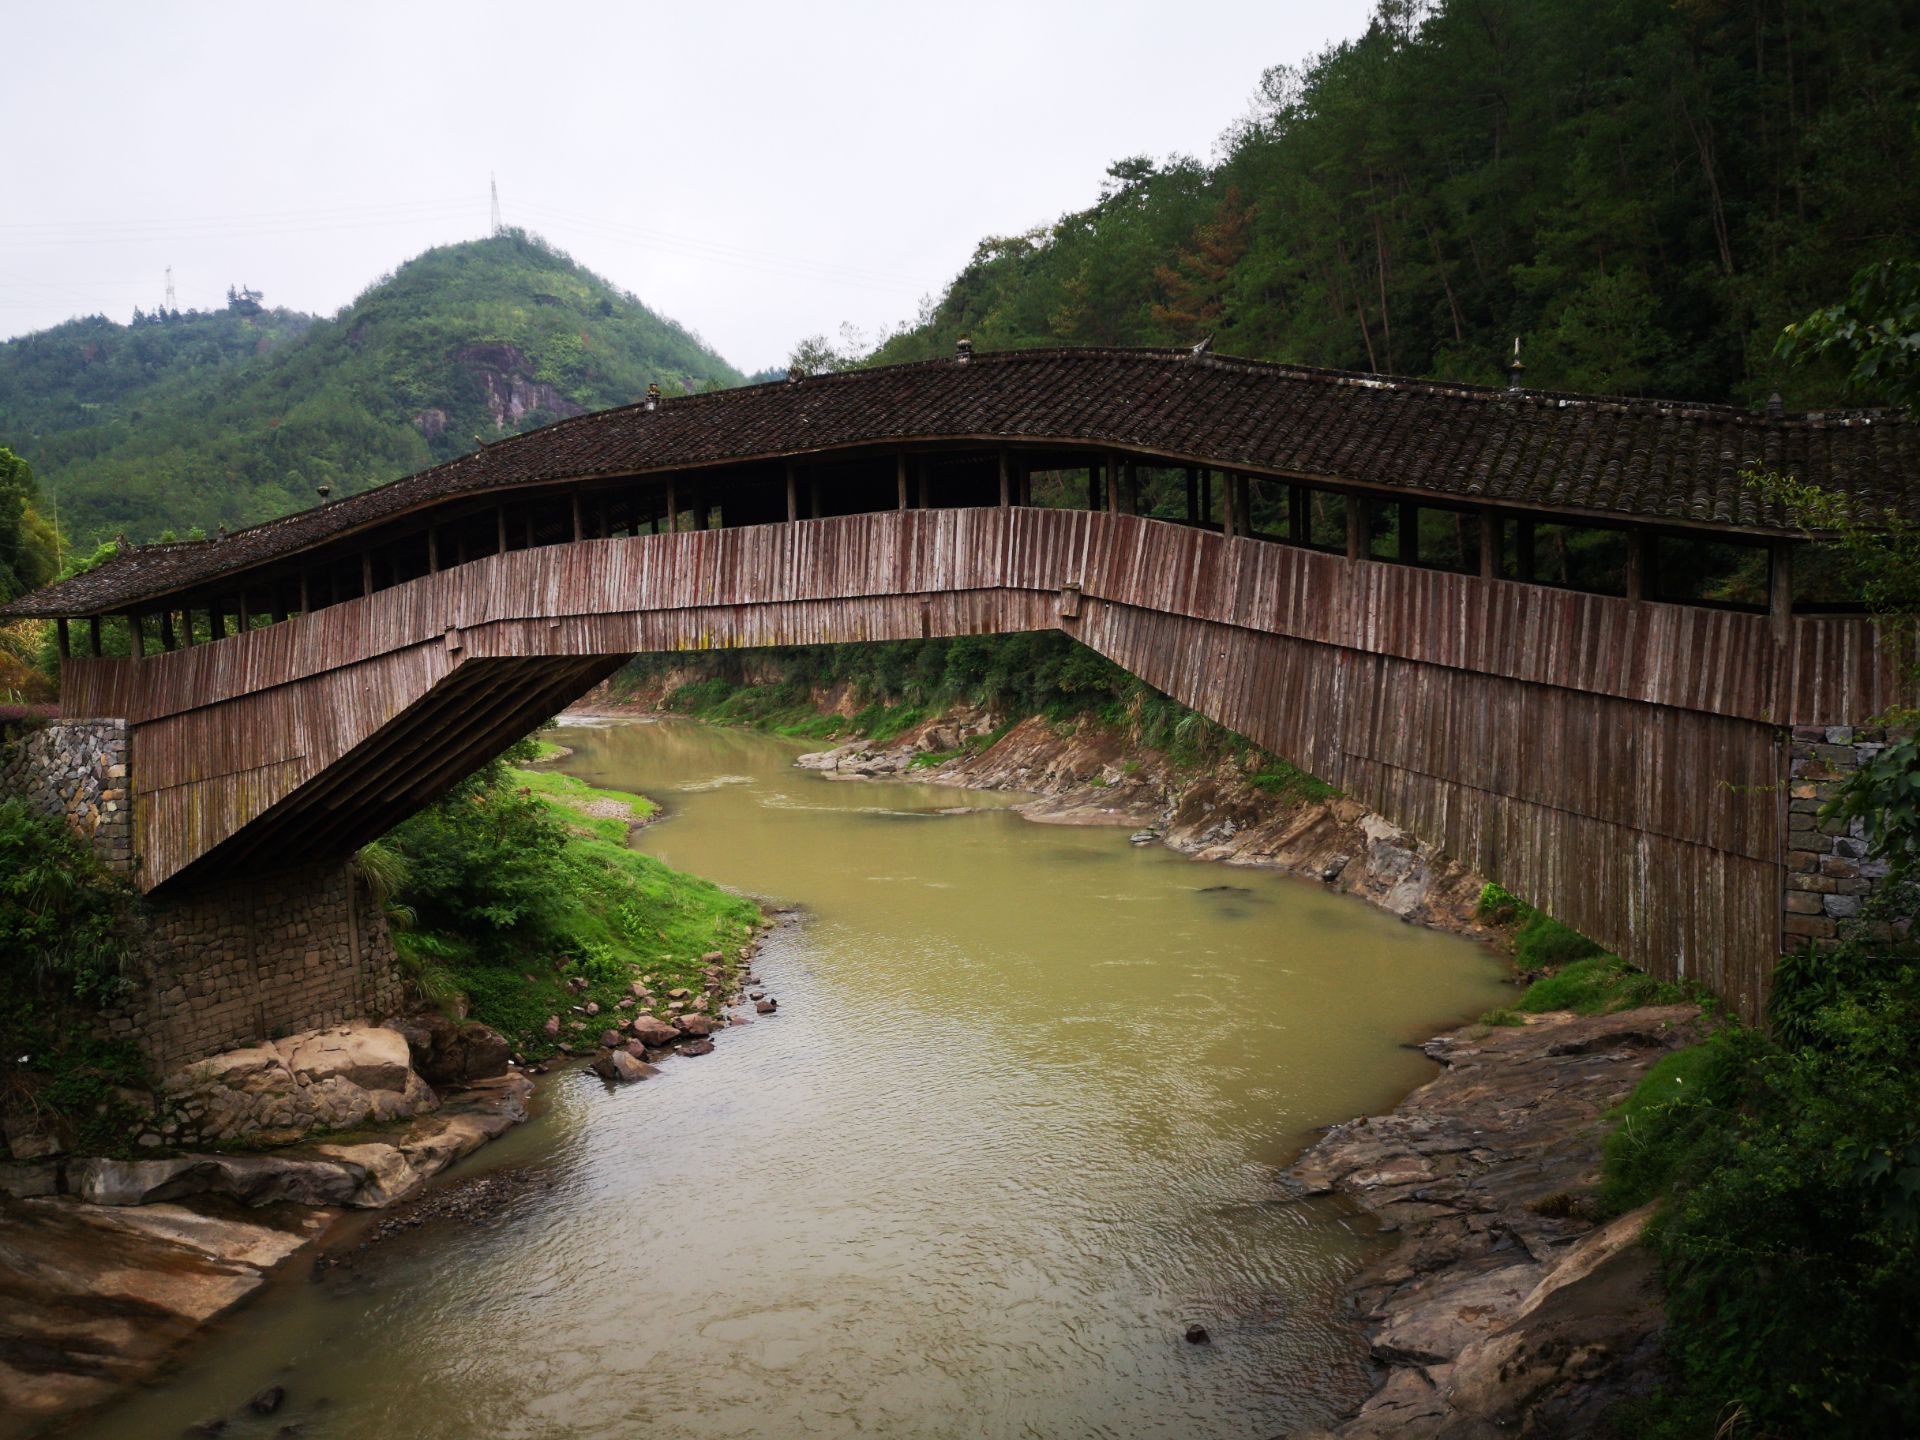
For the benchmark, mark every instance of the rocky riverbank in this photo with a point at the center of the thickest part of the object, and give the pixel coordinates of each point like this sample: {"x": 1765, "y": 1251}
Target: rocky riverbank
{"x": 109, "y": 1266}
{"x": 1087, "y": 774}
{"x": 1507, "y": 1308}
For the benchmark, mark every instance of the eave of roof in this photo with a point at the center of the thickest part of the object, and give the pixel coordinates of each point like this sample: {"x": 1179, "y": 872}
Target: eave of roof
{"x": 1648, "y": 461}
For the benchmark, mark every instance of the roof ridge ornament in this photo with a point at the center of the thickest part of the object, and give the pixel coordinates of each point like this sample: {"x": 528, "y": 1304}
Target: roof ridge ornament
{"x": 1205, "y": 345}
{"x": 1514, "y": 368}
{"x": 795, "y": 374}
{"x": 653, "y": 395}
{"x": 963, "y": 349}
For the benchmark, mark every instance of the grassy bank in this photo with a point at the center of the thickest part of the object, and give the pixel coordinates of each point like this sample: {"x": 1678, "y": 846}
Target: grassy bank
{"x": 520, "y": 885}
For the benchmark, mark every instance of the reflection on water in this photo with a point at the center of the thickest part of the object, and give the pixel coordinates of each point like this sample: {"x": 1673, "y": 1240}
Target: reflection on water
{"x": 1011, "y": 1131}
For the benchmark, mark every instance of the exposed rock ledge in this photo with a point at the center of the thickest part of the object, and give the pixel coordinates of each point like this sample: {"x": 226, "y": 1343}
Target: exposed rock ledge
{"x": 1091, "y": 777}
{"x": 107, "y": 1266}
{"x": 1504, "y": 1310}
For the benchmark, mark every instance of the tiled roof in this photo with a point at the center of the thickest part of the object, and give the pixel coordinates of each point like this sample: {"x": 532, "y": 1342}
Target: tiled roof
{"x": 1648, "y": 460}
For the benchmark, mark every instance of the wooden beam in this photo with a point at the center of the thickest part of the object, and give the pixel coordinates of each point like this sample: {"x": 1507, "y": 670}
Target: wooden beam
{"x": 1006, "y": 482}
{"x": 1780, "y": 587}
{"x": 1639, "y": 564}
{"x": 1233, "y": 520}
{"x": 433, "y": 559}
{"x": 246, "y": 615}
{"x": 136, "y": 637}
{"x": 500, "y": 530}
{"x": 579, "y": 532}
{"x": 900, "y": 475}
{"x": 93, "y": 634}
{"x": 793, "y": 494}
{"x": 166, "y": 630}
{"x": 66, "y": 641}
{"x": 1489, "y": 545}
{"x": 673, "y": 505}
{"x": 186, "y": 626}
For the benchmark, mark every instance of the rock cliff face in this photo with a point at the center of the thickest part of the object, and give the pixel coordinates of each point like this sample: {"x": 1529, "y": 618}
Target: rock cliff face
{"x": 505, "y": 375}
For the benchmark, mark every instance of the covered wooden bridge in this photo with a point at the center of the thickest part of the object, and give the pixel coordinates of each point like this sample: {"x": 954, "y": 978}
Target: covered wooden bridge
{"x": 1559, "y": 636}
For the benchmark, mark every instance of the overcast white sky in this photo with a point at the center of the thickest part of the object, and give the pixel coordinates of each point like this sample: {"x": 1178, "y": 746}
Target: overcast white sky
{"x": 757, "y": 171}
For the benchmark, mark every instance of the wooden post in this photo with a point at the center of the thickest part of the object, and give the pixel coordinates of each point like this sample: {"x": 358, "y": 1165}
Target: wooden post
{"x": 813, "y": 493}
{"x": 1113, "y": 484}
{"x": 1780, "y": 587}
{"x": 246, "y": 614}
{"x": 793, "y": 494}
{"x": 366, "y": 564}
{"x": 1193, "y": 496}
{"x": 579, "y": 527}
{"x": 1006, "y": 482}
{"x": 1639, "y": 564}
{"x": 1093, "y": 485}
{"x": 1024, "y": 470}
{"x": 1229, "y": 501}
{"x": 900, "y": 475}
{"x": 66, "y": 641}
{"x": 1299, "y": 525}
{"x": 166, "y": 630}
{"x": 137, "y": 637}
{"x": 93, "y": 634}
{"x": 529, "y": 527}
{"x": 1206, "y": 498}
{"x": 1489, "y": 545}
{"x": 500, "y": 532}
{"x": 306, "y": 607}
{"x": 216, "y": 622}
{"x": 1409, "y": 533}
{"x": 1356, "y": 506}
{"x": 699, "y": 505}
{"x": 186, "y": 626}
{"x": 433, "y": 560}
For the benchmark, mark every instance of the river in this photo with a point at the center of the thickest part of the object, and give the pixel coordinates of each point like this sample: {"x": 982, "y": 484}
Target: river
{"x": 1010, "y": 1133}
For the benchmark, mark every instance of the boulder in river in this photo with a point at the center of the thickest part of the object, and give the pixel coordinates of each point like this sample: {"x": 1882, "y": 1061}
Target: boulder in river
{"x": 609, "y": 1039}
{"x": 765, "y": 1007}
{"x": 268, "y": 1400}
{"x": 699, "y": 1026}
{"x": 652, "y": 1031}
{"x": 621, "y": 1068}
{"x": 697, "y": 1047}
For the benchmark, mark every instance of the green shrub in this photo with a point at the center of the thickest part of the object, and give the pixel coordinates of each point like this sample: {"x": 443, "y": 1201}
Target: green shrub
{"x": 67, "y": 927}
{"x": 1503, "y": 1017}
{"x": 1543, "y": 943}
{"x": 1657, "y": 1125}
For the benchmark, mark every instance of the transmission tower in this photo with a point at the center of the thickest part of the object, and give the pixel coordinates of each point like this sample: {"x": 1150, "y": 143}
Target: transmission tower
{"x": 494, "y": 185}
{"x": 170, "y": 304}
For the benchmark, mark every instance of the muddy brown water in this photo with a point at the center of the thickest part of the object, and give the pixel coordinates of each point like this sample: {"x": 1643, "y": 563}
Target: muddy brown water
{"x": 1012, "y": 1130}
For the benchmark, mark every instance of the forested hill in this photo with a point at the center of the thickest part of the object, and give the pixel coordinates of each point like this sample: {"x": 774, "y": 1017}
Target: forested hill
{"x": 235, "y": 416}
{"x": 1645, "y": 190}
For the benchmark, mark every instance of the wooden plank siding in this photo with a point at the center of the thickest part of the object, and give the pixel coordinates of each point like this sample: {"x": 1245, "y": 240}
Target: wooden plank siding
{"x": 1618, "y": 763}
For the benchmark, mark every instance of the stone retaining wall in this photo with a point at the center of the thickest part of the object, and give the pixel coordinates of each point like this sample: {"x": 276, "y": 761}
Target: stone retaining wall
{"x": 1829, "y": 877}
{"x": 76, "y": 771}
{"x": 257, "y": 957}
